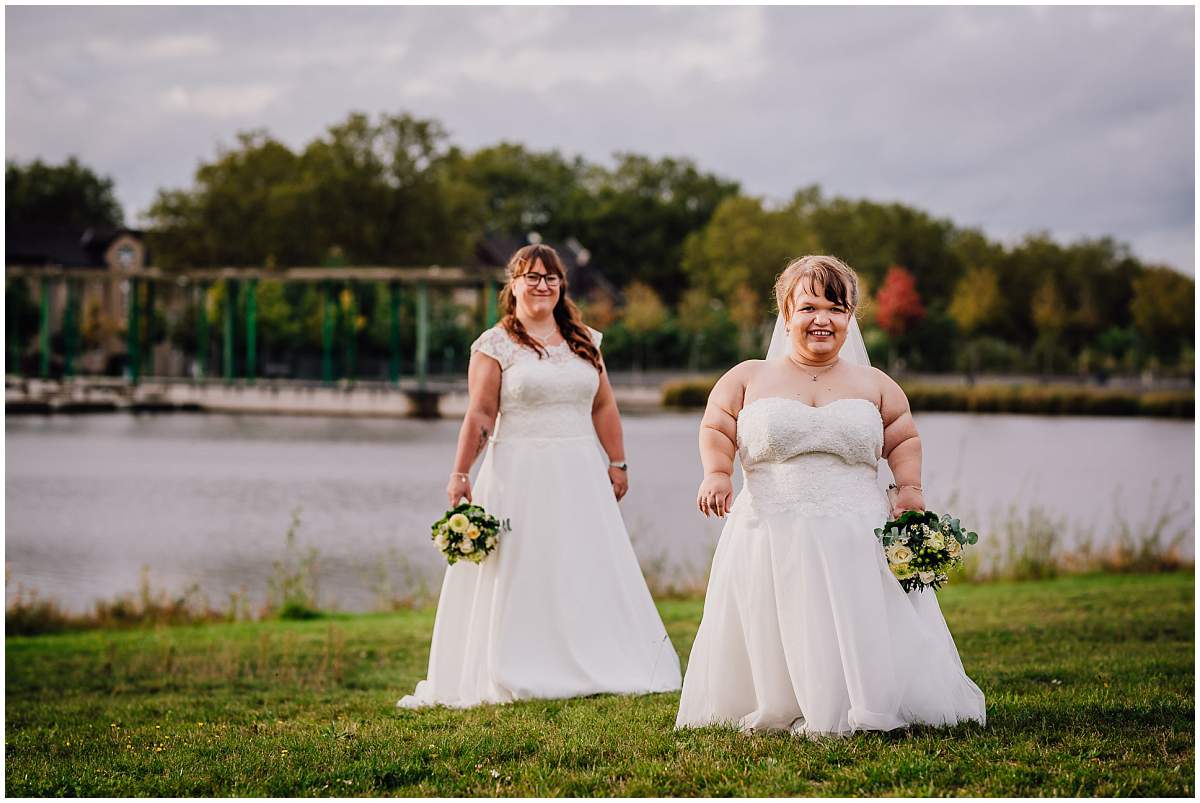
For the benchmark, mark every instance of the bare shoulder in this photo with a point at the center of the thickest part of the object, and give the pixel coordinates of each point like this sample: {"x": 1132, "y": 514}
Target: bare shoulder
{"x": 893, "y": 402}
{"x": 741, "y": 374}
{"x": 885, "y": 383}
{"x": 747, "y": 368}
{"x": 730, "y": 389}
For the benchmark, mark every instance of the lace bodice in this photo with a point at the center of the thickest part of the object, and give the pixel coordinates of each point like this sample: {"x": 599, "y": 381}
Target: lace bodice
{"x": 812, "y": 460}
{"x": 541, "y": 396}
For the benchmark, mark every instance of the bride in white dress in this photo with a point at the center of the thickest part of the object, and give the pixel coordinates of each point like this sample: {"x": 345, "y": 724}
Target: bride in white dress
{"x": 561, "y": 608}
{"x": 805, "y": 628}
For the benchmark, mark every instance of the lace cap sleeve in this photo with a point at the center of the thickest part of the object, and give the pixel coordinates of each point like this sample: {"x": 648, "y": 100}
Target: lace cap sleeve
{"x": 496, "y": 344}
{"x": 596, "y": 336}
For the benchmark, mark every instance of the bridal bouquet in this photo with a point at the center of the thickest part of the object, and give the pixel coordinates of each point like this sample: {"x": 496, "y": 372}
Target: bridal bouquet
{"x": 467, "y": 532}
{"x": 921, "y": 545}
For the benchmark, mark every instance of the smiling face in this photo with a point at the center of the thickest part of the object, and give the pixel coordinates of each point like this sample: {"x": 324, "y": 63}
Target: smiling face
{"x": 536, "y": 301}
{"x": 818, "y": 326}
{"x": 817, "y": 296}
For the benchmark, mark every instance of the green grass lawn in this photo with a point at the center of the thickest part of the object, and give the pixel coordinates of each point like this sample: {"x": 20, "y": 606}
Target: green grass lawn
{"x": 1089, "y": 683}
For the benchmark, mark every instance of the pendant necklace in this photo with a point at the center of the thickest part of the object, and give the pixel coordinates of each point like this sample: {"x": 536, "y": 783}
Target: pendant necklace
{"x": 817, "y": 375}
{"x": 542, "y": 339}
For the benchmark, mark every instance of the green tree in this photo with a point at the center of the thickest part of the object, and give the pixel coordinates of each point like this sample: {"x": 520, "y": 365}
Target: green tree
{"x": 1098, "y": 277}
{"x": 635, "y": 218}
{"x": 67, "y": 194}
{"x": 383, "y": 192}
{"x": 234, "y": 215}
{"x": 391, "y": 192}
{"x": 746, "y": 311}
{"x": 1049, "y": 317}
{"x": 871, "y": 237}
{"x": 1163, "y": 309}
{"x": 524, "y": 190}
{"x": 644, "y": 314}
{"x": 697, "y": 314}
{"x": 976, "y": 303}
{"x": 745, "y": 244}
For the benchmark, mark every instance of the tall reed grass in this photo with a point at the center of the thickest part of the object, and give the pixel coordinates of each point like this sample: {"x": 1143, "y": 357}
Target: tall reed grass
{"x": 1025, "y": 543}
{"x": 1031, "y": 543}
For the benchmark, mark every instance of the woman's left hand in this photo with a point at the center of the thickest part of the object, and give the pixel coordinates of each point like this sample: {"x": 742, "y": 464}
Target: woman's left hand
{"x": 907, "y": 499}
{"x": 620, "y": 481}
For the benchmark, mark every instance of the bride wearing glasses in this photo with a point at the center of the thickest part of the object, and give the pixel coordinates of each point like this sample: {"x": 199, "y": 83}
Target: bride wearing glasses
{"x": 561, "y": 608}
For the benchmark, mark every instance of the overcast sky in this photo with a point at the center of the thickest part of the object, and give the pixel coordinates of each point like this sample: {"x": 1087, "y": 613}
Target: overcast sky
{"x": 1079, "y": 121}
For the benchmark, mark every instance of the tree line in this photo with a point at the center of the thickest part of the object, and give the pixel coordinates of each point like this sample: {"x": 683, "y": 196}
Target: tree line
{"x": 694, "y": 255}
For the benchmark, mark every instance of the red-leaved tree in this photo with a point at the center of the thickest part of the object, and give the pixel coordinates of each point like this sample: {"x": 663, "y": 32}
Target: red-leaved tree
{"x": 897, "y": 308}
{"x": 898, "y": 304}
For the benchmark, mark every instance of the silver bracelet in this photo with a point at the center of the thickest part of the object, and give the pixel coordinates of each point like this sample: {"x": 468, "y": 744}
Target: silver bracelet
{"x": 465, "y": 477}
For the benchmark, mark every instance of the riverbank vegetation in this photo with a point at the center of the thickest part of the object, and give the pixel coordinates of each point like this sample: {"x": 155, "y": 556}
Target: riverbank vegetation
{"x": 997, "y": 398}
{"x": 1025, "y": 544}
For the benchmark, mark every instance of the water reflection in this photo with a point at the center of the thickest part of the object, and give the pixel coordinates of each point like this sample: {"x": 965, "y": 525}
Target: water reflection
{"x": 207, "y": 498}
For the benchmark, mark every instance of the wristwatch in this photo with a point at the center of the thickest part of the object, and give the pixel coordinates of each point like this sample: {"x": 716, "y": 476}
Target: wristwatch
{"x": 622, "y": 465}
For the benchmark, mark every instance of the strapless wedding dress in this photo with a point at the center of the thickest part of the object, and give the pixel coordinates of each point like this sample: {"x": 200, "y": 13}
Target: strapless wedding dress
{"x": 561, "y": 609}
{"x": 804, "y": 627}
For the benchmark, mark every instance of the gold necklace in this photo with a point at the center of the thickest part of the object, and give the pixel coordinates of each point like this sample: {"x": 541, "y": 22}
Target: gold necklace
{"x": 816, "y": 376}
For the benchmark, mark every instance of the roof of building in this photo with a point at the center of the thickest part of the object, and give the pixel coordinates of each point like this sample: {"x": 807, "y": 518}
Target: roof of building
{"x": 66, "y": 246}
{"x": 583, "y": 275}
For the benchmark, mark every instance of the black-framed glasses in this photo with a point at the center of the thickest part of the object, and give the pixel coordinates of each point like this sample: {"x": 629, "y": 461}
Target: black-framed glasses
{"x": 534, "y": 279}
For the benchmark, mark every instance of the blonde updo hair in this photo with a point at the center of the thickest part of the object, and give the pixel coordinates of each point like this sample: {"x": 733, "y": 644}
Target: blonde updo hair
{"x": 817, "y": 274}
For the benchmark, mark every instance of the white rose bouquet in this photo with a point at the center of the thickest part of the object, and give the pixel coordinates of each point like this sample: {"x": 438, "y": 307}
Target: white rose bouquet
{"x": 921, "y": 546}
{"x": 467, "y": 532}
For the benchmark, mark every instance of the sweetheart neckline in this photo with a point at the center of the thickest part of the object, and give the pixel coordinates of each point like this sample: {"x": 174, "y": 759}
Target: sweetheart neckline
{"x": 810, "y": 406}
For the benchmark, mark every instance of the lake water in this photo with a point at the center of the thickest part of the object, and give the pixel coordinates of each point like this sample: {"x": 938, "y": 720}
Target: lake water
{"x": 208, "y": 499}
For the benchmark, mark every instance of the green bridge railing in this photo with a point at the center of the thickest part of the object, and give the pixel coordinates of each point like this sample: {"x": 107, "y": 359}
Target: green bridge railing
{"x": 241, "y": 285}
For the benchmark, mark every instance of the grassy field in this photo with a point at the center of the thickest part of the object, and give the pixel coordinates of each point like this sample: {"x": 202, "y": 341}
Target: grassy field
{"x": 1089, "y": 680}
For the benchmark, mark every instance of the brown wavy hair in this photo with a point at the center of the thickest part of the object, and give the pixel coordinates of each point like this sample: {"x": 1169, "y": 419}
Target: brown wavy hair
{"x": 566, "y": 314}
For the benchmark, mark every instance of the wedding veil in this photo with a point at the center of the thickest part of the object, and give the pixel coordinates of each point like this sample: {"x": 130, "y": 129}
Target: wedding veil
{"x": 854, "y": 350}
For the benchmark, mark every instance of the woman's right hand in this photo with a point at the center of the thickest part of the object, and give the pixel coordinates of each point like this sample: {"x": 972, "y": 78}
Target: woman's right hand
{"x": 715, "y": 494}
{"x": 458, "y": 488}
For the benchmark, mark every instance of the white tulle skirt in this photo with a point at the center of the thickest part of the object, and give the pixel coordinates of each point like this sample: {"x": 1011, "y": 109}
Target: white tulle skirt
{"x": 805, "y": 629}
{"x": 561, "y": 609}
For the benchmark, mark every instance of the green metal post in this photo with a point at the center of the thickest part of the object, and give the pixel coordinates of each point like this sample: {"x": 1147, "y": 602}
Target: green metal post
{"x": 251, "y": 328}
{"x": 14, "y": 349}
{"x": 231, "y": 288}
{"x": 350, "y": 358}
{"x": 327, "y": 320}
{"x": 202, "y": 343}
{"x": 489, "y": 289}
{"x": 44, "y": 330}
{"x": 422, "y": 333}
{"x": 133, "y": 332}
{"x": 71, "y": 328}
{"x": 394, "y": 339}
{"x": 148, "y": 333}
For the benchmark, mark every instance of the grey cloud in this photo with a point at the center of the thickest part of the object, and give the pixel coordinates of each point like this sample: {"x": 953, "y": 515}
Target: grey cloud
{"x": 1074, "y": 120}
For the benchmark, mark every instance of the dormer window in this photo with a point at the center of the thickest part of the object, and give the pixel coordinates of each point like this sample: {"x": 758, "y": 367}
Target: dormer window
{"x": 126, "y": 256}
